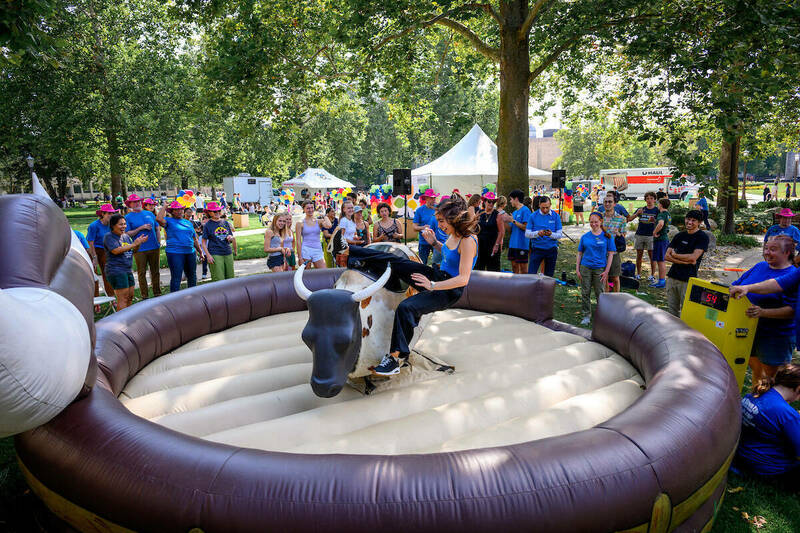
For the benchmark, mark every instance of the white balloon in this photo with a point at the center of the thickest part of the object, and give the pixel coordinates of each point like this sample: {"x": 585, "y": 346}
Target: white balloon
{"x": 44, "y": 354}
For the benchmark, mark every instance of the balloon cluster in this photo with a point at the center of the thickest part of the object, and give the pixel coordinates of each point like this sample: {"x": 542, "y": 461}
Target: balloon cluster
{"x": 185, "y": 198}
{"x": 287, "y": 196}
{"x": 338, "y": 194}
{"x": 489, "y": 187}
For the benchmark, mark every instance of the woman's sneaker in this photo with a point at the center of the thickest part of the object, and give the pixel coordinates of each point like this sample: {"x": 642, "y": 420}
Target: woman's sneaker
{"x": 388, "y": 366}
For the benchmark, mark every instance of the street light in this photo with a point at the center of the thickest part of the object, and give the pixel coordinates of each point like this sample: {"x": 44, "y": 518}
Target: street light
{"x": 745, "y": 153}
{"x": 30, "y": 161}
{"x": 794, "y": 181}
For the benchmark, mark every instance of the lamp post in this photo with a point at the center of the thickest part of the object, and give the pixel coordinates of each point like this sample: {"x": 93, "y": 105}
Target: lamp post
{"x": 745, "y": 153}
{"x": 794, "y": 181}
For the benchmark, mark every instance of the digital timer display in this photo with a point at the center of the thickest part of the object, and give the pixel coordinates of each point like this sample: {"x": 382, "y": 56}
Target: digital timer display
{"x": 709, "y": 298}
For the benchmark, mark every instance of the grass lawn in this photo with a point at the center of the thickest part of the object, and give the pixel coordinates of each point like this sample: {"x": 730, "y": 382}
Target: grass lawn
{"x": 21, "y": 511}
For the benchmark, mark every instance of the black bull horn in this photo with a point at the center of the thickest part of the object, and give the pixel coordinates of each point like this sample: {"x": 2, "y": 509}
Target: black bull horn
{"x": 333, "y": 331}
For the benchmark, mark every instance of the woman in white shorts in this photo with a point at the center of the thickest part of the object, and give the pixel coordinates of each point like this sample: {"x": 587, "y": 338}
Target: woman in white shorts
{"x": 307, "y": 233}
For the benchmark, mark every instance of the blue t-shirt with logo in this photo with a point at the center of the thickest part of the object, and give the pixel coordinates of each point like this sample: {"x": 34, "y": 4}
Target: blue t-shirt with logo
{"x": 518, "y": 239}
{"x": 97, "y": 230}
{"x": 117, "y": 263}
{"x": 595, "y": 249}
{"x": 770, "y": 441}
{"x": 216, "y": 233}
{"x": 424, "y": 216}
{"x": 180, "y": 236}
{"x": 537, "y": 222}
{"x": 791, "y": 231}
{"x": 141, "y": 218}
{"x": 783, "y": 327}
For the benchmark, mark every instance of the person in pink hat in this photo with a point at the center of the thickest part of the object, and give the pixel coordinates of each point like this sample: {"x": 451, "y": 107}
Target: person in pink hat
{"x": 95, "y": 235}
{"x": 424, "y": 219}
{"x": 181, "y": 245}
{"x": 785, "y": 227}
{"x": 143, "y": 222}
{"x": 490, "y": 236}
{"x": 149, "y": 205}
{"x": 219, "y": 244}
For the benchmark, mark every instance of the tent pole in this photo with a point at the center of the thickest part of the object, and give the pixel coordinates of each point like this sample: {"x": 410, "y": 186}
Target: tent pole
{"x": 405, "y": 220}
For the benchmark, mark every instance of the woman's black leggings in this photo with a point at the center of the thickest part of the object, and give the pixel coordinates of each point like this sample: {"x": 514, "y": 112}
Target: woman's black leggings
{"x": 487, "y": 261}
{"x": 410, "y": 310}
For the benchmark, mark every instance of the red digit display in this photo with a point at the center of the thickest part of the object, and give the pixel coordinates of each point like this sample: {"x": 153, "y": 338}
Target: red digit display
{"x": 710, "y": 297}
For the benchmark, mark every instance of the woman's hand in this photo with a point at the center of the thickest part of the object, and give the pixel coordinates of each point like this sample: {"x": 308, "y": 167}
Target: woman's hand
{"x": 754, "y": 311}
{"x": 421, "y": 280}
{"x": 429, "y": 235}
{"x": 739, "y": 291}
{"x": 140, "y": 239}
{"x": 495, "y": 249}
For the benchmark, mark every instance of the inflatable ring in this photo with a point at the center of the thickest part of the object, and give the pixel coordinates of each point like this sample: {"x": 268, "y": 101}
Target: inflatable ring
{"x": 660, "y": 465}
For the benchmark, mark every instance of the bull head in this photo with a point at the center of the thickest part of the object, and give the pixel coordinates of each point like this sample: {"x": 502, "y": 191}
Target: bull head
{"x": 333, "y": 331}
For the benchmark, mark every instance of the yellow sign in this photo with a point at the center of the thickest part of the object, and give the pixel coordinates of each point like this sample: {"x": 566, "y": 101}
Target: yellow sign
{"x": 709, "y": 308}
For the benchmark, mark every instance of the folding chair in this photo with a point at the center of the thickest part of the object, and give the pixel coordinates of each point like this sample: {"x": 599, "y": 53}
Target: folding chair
{"x": 103, "y": 299}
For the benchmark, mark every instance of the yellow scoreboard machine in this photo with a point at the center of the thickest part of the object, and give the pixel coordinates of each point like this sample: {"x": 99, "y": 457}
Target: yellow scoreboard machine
{"x": 709, "y": 308}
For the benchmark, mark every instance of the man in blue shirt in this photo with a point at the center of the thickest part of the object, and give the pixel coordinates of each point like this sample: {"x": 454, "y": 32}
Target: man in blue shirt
{"x": 518, "y": 243}
{"x": 702, "y": 205}
{"x": 544, "y": 230}
{"x": 425, "y": 217}
{"x": 143, "y": 222}
{"x": 618, "y": 207}
{"x": 785, "y": 227}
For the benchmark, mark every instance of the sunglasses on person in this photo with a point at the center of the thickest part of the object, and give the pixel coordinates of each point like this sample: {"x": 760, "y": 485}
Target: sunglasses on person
{"x": 489, "y": 201}
{"x": 608, "y": 201}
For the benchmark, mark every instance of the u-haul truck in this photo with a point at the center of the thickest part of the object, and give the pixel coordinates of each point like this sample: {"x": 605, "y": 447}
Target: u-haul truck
{"x": 633, "y": 183}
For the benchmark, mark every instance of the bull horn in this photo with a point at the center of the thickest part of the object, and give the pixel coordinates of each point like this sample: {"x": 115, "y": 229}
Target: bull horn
{"x": 365, "y": 293}
{"x": 299, "y": 288}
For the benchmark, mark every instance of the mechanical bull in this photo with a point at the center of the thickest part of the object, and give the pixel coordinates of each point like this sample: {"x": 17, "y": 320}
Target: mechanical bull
{"x": 350, "y": 326}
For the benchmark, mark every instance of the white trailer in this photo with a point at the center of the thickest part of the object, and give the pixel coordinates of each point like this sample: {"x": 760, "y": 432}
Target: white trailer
{"x": 249, "y": 188}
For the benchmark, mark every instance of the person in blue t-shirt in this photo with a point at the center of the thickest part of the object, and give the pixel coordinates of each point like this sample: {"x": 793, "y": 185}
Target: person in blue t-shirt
{"x": 83, "y": 240}
{"x": 702, "y": 205}
{"x": 441, "y": 237}
{"x": 518, "y": 243}
{"x": 595, "y": 253}
{"x": 544, "y": 230}
{"x": 181, "y": 245}
{"x": 774, "y": 340}
{"x": 424, "y": 218}
{"x": 119, "y": 251}
{"x": 770, "y": 442}
{"x": 618, "y": 207}
{"x": 785, "y": 227}
{"x": 143, "y": 222}
{"x": 97, "y": 230}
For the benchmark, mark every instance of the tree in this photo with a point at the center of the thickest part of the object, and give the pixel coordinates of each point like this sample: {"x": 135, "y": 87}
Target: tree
{"x": 592, "y": 141}
{"x": 730, "y": 66}
{"x": 307, "y": 43}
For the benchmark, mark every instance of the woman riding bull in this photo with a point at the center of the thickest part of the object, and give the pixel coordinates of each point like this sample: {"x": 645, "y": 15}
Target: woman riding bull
{"x": 439, "y": 287}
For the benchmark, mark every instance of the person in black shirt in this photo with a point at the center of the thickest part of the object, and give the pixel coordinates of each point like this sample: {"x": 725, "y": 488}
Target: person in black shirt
{"x": 660, "y": 194}
{"x": 685, "y": 253}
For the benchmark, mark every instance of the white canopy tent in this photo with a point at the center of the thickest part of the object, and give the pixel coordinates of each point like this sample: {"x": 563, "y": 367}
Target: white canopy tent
{"x": 316, "y": 179}
{"x": 468, "y": 166}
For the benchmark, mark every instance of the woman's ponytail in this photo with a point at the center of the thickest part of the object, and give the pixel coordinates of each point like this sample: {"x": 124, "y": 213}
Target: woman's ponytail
{"x": 787, "y": 376}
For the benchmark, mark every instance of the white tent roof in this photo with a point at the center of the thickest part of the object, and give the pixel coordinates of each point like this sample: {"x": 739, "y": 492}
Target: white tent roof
{"x": 474, "y": 155}
{"x": 317, "y": 178}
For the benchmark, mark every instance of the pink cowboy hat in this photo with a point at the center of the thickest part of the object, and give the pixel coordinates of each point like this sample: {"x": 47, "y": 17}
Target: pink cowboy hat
{"x": 175, "y": 205}
{"x": 149, "y": 201}
{"x": 106, "y": 208}
{"x": 132, "y": 198}
{"x": 786, "y": 212}
{"x": 213, "y": 206}
{"x": 429, "y": 193}
{"x": 489, "y": 196}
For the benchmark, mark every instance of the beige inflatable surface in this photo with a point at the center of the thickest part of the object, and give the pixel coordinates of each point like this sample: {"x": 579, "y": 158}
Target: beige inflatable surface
{"x": 515, "y": 381}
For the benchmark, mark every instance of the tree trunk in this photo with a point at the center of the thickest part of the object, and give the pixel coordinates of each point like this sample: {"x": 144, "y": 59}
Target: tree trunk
{"x": 124, "y": 187}
{"x": 512, "y": 133}
{"x": 729, "y": 174}
{"x": 213, "y": 194}
{"x": 114, "y": 163}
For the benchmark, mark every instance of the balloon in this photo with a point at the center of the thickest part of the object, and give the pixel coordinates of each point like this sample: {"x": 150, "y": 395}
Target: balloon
{"x": 374, "y": 188}
{"x": 399, "y": 202}
{"x": 491, "y": 187}
{"x": 190, "y": 193}
{"x": 413, "y": 204}
{"x": 181, "y": 193}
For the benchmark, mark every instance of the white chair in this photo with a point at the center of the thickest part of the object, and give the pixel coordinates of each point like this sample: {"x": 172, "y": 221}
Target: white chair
{"x": 103, "y": 299}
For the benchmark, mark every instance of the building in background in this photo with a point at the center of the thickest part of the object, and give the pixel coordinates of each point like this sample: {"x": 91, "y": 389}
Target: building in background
{"x": 543, "y": 148}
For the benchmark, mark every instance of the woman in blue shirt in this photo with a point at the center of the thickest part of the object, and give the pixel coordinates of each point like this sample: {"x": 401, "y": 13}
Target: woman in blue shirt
{"x": 95, "y": 234}
{"x": 181, "y": 245}
{"x": 439, "y": 287}
{"x": 775, "y": 336}
{"x": 120, "y": 248}
{"x": 770, "y": 442}
{"x": 595, "y": 253}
